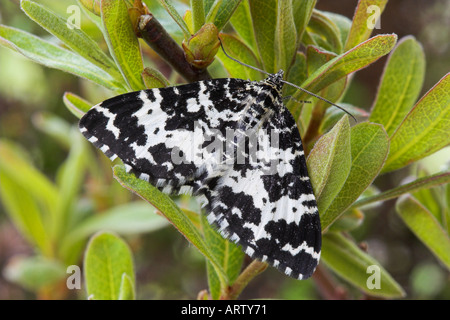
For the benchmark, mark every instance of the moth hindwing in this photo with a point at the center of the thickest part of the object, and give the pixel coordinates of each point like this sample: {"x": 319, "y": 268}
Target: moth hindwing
{"x": 233, "y": 144}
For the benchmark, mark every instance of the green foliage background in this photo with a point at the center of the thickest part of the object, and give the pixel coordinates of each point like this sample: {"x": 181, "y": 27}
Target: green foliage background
{"x": 382, "y": 200}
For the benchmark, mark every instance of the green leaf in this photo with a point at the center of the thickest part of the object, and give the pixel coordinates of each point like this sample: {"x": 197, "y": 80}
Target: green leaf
{"x": 446, "y": 213}
{"x": 208, "y": 5}
{"x": 297, "y": 74}
{"x": 419, "y": 184}
{"x": 74, "y": 38}
{"x": 126, "y": 291}
{"x": 363, "y": 20}
{"x": 317, "y": 57}
{"x": 333, "y": 115}
{"x": 313, "y": 112}
{"x": 264, "y": 17}
{"x": 369, "y": 148}
{"x": 176, "y": 17}
{"x": 91, "y": 5}
{"x": 424, "y": 130}
{"x": 302, "y": 14}
{"x": 77, "y": 105}
{"x": 198, "y": 15}
{"x": 349, "y": 220}
{"x": 188, "y": 20}
{"x": 106, "y": 259}
{"x": 346, "y": 63}
{"x": 400, "y": 85}
{"x": 30, "y": 180}
{"x": 342, "y": 23}
{"x": 154, "y": 79}
{"x": 425, "y": 226}
{"x": 350, "y": 61}
{"x": 35, "y": 272}
{"x": 323, "y": 32}
{"x": 15, "y": 164}
{"x": 238, "y": 50}
{"x": 229, "y": 255}
{"x": 71, "y": 176}
{"x": 24, "y": 212}
{"x": 130, "y": 218}
{"x": 122, "y": 42}
{"x": 430, "y": 198}
{"x": 55, "y": 127}
{"x": 275, "y": 33}
{"x": 92, "y": 11}
{"x": 221, "y": 12}
{"x": 285, "y": 36}
{"x": 52, "y": 56}
{"x": 352, "y": 264}
{"x": 171, "y": 211}
{"x": 329, "y": 163}
{"x": 243, "y": 24}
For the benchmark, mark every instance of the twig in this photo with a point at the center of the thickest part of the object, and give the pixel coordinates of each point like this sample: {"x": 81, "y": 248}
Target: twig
{"x": 163, "y": 44}
{"x": 252, "y": 270}
{"x": 327, "y": 286}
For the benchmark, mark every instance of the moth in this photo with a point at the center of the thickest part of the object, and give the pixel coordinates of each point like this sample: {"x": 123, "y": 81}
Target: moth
{"x": 255, "y": 189}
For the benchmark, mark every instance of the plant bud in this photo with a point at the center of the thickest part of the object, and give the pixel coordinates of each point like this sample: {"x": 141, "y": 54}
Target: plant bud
{"x": 201, "y": 48}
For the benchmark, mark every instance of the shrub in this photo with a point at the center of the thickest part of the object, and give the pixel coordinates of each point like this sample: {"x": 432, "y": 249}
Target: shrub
{"x": 318, "y": 51}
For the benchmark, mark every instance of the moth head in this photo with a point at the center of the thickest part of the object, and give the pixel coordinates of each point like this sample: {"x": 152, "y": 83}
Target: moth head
{"x": 276, "y": 80}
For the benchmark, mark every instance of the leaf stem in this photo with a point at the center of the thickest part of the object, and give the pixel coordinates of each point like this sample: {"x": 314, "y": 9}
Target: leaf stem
{"x": 422, "y": 183}
{"x": 252, "y": 270}
{"x": 164, "y": 45}
{"x": 327, "y": 286}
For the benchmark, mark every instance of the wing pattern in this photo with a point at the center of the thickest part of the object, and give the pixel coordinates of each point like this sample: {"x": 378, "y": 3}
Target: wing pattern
{"x": 234, "y": 144}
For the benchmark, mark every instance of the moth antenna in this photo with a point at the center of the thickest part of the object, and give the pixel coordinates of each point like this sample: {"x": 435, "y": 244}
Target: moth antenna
{"x": 240, "y": 62}
{"x": 321, "y": 98}
{"x": 286, "y": 82}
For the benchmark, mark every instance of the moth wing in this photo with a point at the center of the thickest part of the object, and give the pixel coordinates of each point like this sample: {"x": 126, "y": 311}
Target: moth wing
{"x": 159, "y": 134}
{"x": 268, "y": 207}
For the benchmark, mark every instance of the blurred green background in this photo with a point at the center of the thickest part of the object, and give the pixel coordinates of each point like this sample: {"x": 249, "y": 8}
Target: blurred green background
{"x": 28, "y": 89}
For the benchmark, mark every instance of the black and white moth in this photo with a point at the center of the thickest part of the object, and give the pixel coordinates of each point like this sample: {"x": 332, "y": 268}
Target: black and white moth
{"x": 258, "y": 197}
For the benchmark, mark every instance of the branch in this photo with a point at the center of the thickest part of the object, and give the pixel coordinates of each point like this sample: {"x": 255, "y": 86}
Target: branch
{"x": 163, "y": 44}
{"x": 252, "y": 270}
{"x": 328, "y": 288}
